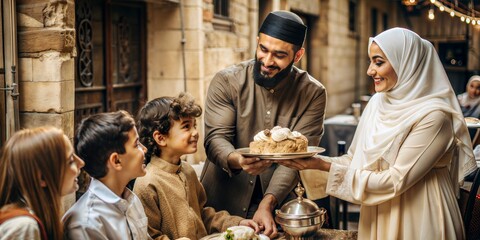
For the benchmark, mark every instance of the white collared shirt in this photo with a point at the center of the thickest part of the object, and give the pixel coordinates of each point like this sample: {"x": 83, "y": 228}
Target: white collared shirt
{"x": 101, "y": 214}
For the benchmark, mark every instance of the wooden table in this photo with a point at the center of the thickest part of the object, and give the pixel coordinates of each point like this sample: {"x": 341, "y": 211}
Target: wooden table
{"x": 329, "y": 234}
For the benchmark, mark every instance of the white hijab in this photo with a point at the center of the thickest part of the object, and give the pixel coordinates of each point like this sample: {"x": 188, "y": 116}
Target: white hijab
{"x": 422, "y": 87}
{"x": 465, "y": 100}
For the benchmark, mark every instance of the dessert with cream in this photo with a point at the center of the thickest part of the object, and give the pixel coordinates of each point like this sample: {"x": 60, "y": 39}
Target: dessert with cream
{"x": 472, "y": 120}
{"x": 278, "y": 140}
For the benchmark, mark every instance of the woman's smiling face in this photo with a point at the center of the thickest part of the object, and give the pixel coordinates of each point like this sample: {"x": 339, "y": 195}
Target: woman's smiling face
{"x": 381, "y": 70}
{"x": 73, "y": 166}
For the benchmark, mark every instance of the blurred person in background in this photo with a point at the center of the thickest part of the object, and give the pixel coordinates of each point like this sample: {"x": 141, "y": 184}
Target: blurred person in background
{"x": 470, "y": 99}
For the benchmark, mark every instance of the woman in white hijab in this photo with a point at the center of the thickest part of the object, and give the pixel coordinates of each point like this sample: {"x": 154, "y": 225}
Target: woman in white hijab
{"x": 470, "y": 99}
{"x": 410, "y": 150}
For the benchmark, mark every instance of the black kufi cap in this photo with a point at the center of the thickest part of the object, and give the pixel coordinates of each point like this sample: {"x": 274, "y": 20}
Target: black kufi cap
{"x": 286, "y": 26}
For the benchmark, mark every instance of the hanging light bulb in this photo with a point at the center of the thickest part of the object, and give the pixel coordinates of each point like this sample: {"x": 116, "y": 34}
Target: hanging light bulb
{"x": 467, "y": 20}
{"x": 431, "y": 14}
{"x": 442, "y": 8}
{"x": 452, "y": 13}
{"x": 474, "y": 22}
{"x": 412, "y": 1}
{"x": 432, "y": 1}
{"x": 462, "y": 19}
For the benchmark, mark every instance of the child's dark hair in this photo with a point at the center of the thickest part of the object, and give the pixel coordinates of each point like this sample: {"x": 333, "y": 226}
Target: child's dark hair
{"x": 157, "y": 115}
{"x": 100, "y": 135}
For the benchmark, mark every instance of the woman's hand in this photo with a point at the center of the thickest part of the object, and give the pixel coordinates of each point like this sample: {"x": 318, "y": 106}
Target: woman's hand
{"x": 315, "y": 162}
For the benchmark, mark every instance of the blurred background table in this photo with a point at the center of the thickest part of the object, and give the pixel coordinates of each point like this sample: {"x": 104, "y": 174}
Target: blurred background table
{"x": 338, "y": 128}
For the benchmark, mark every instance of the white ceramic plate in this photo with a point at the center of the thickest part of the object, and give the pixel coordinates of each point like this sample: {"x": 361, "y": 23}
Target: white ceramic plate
{"x": 215, "y": 236}
{"x": 211, "y": 236}
{"x": 311, "y": 151}
{"x": 472, "y": 122}
{"x": 473, "y": 125}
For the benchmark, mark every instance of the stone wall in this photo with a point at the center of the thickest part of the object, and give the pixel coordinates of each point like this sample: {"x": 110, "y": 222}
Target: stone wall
{"x": 172, "y": 39}
{"x": 46, "y": 50}
{"x": 46, "y": 46}
{"x": 345, "y": 62}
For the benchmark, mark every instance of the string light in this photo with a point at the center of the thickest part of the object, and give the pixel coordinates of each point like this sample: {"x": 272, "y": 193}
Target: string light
{"x": 431, "y": 14}
{"x": 467, "y": 16}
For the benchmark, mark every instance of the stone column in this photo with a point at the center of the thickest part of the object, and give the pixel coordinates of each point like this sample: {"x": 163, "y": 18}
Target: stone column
{"x": 46, "y": 49}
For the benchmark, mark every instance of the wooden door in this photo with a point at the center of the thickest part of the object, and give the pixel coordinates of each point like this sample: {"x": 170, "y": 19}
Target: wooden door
{"x": 110, "y": 63}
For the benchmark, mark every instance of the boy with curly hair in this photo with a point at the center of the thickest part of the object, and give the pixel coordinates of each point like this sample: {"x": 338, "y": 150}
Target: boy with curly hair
{"x": 173, "y": 197}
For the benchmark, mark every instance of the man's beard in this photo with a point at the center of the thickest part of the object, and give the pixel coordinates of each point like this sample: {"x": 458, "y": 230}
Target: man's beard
{"x": 266, "y": 81}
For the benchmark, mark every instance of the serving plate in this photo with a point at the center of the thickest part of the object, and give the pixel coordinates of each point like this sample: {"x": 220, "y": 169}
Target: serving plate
{"x": 473, "y": 125}
{"x": 311, "y": 151}
{"x": 472, "y": 122}
{"x": 215, "y": 236}
{"x": 211, "y": 236}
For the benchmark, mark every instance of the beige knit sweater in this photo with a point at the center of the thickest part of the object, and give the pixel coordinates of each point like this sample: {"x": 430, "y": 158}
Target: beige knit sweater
{"x": 174, "y": 202}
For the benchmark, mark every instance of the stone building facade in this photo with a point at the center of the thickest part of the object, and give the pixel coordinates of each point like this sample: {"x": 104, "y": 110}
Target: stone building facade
{"x": 46, "y": 51}
{"x": 186, "y": 42}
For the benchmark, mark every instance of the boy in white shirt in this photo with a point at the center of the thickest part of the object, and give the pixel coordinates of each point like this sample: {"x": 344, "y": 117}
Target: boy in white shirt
{"x": 113, "y": 155}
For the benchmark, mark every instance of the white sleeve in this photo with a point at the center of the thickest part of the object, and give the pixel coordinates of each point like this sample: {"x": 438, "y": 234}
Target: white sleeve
{"x": 84, "y": 232}
{"x": 424, "y": 146}
{"x": 21, "y": 227}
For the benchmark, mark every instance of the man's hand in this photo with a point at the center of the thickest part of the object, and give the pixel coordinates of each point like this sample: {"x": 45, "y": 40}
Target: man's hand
{"x": 250, "y": 223}
{"x": 263, "y": 216}
{"x": 306, "y": 163}
{"x": 253, "y": 166}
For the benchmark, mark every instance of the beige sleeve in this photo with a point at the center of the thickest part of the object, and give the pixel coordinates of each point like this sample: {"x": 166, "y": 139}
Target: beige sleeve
{"x": 315, "y": 181}
{"x": 148, "y": 195}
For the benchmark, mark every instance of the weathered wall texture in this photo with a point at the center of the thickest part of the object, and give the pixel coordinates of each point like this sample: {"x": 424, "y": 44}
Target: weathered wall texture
{"x": 46, "y": 45}
{"x": 46, "y": 50}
